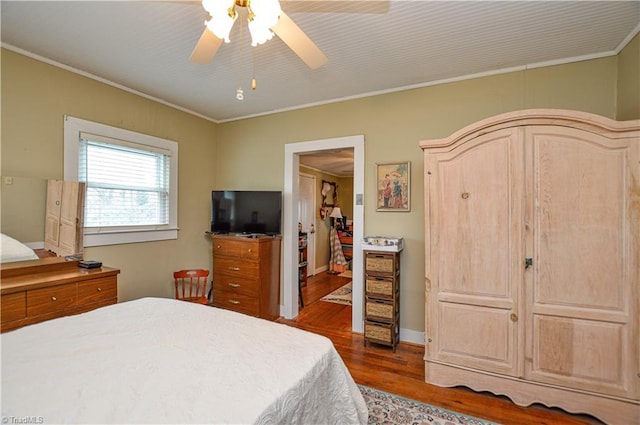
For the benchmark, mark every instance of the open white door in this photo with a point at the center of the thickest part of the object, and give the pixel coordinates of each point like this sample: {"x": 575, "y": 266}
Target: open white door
{"x": 307, "y": 217}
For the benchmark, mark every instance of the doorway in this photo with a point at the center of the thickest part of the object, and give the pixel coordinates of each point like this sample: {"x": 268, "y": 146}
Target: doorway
{"x": 290, "y": 230}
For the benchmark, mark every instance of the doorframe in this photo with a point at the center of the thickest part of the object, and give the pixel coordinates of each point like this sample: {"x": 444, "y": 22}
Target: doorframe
{"x": 292, "y": 153}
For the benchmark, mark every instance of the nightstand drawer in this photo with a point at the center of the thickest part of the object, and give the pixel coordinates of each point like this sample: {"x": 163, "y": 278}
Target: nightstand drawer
{"x": 52, "y": 299}
{"x": 235, "y": 284}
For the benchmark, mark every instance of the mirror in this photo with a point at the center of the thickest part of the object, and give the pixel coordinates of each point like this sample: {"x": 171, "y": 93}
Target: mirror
{"x": 23, "y": 207}
{"x": 329, "y": 191}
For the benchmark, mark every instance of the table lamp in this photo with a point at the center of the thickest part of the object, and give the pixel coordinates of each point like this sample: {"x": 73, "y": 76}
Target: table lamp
{"x": 335, "y": 214}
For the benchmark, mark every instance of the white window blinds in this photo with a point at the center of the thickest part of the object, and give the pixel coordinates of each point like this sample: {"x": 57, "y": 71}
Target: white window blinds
{"x": 127, "y": 184}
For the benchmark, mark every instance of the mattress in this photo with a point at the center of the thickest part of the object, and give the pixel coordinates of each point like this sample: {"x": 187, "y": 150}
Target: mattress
{"x": 158, "y": 360}
{"x": 12, "y": 250}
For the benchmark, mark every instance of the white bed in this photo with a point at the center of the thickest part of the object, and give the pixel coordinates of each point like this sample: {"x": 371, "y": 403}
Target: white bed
{"x": 12, "y": 250}
{"x": 164, "y": 361}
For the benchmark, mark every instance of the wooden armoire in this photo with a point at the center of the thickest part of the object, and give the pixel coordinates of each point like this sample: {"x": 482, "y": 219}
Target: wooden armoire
{"x": 532, "y": 222}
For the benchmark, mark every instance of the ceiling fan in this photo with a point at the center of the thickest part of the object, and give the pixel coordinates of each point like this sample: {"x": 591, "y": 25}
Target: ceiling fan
{"x": 266, "y": 18}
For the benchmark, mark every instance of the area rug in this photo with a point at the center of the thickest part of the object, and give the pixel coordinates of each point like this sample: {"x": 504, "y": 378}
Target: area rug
{"x": 388, "y": 409}
{"x": 346, "y": 273}
{"x": 341, "y": 295}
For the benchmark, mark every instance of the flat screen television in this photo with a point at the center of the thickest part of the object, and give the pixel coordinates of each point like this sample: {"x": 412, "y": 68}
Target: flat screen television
{"x": 246, "y": 212}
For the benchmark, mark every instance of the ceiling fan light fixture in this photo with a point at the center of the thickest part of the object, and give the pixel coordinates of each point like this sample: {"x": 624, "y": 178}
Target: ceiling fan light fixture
{"x": 259, "y": 33}
{"x": 223, "y": 15}
{"x": 263, "y": 15}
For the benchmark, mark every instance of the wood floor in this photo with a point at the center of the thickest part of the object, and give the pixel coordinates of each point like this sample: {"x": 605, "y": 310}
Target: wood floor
{"x": 402, "y": 372}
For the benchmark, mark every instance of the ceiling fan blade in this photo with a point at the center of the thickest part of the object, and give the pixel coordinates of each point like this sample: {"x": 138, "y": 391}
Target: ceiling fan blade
{"x": 206, "y": 48}
{"x": 337, "y": 6}
{"x": 299, "y": 42}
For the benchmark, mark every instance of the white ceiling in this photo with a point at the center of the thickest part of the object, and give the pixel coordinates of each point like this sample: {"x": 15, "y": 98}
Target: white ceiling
{"x": 373, "y": 47}
{"x": 338, "y": 162}
{"x": 144, "y": 46}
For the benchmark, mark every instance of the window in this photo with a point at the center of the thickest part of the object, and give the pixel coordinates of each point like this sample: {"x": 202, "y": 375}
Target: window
{"x": 131, "y": 182}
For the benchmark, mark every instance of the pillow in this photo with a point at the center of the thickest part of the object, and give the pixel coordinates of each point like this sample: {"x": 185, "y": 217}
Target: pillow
{"x": 12, "y": 250}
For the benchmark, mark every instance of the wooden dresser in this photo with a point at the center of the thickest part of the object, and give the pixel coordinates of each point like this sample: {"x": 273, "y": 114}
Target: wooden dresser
{"x": 246, "y": 275}
{"x": 39, "y": 290}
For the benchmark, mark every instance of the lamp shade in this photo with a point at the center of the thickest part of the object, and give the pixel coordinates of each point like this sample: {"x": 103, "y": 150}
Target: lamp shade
{"x": 336, "y": 213}
{"x": 223, "y": 15}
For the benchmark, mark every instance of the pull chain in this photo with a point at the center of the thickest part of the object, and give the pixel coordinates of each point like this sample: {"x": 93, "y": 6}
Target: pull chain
{"x": 253, "y": 64}
{"x": 240, "y": 92}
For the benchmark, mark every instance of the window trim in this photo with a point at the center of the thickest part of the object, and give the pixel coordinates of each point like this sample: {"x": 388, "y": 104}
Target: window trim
{"x": 99, "y": 237}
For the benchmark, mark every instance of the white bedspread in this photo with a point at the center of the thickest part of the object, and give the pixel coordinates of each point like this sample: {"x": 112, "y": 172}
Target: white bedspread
{"x": 164, "y": 361}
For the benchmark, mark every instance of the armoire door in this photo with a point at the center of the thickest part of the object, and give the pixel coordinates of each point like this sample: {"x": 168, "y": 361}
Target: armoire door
{"x": 52, "y": 218}
{"x": 583, "y": 326}
{"x": 65, "y": 217}
{"x": 475, "y": 253}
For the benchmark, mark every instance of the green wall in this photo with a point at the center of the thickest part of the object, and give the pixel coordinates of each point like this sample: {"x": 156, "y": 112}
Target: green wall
{"x": 393, "y": 124}
{"x": 35, "y": 97}
{"x": 250, "y": 153}
{"x": 628, "y": 106}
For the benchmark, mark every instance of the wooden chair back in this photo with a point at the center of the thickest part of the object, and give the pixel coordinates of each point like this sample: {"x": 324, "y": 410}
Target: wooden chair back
{"x": 191, "y": 285}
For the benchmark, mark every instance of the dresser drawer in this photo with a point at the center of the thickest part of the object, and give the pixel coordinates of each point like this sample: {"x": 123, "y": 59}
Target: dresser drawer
{"x": 236, "y": 267}
{"x": 381, "y": 263}
{"x": 52, "y": 299}
{"x": 235, "y": 284}
{"x": 234, "y": 248}
{"x": 96, "y": 290}
{"x": 13, "y": 306}
{"x": 381, "y": 286}
{"x": 237, "y": 302}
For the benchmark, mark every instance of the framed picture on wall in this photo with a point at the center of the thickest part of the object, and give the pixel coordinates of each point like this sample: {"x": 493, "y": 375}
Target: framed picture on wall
{"x": 393, "y": 186}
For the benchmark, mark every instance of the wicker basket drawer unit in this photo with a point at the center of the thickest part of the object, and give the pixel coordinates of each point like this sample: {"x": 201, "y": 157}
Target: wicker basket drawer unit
{"x": 382, "y": 302}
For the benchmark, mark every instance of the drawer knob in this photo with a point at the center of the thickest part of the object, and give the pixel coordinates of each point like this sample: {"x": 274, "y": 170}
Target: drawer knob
{"x": 218, "y": 247}
{"x": 54, "y": 299}
{"x": 234, "y": 285}
{"x": 235, "y": 269}
{"x": 250, "y": 250}
{"x": 514, "y": 317}
{"x": 234, "y": 302}
{"x": 465, "y": 195}
{"x": 99, "y": 289}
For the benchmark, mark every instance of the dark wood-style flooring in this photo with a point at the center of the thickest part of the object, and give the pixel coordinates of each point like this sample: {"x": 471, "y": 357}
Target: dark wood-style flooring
{"x": 402, "y": 372}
